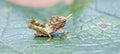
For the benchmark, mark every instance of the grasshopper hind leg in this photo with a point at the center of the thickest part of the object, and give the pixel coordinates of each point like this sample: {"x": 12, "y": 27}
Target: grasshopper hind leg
{"x": 37, "y": 33}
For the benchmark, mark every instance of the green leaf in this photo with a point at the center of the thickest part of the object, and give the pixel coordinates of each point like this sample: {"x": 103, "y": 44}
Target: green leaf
{"x": 93, "y": 29}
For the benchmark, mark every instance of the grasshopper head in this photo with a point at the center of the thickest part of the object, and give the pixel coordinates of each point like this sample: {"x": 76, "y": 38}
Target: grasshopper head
{"x": 57, "y": 19}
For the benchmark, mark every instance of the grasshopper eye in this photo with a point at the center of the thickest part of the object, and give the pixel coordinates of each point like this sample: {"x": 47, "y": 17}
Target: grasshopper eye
{"x": 63, "y": 20}
{"x": 57, "y": 20}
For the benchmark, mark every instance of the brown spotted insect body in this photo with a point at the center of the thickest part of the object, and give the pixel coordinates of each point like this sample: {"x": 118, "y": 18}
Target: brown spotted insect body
{"x": 56, "y": 23}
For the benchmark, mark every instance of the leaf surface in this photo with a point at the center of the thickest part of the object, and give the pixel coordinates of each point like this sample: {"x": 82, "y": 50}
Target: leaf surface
{"x": 93, "y": 29}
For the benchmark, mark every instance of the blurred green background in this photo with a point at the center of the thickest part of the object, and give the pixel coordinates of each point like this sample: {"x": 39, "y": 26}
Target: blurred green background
{"x": 93, "y": 29}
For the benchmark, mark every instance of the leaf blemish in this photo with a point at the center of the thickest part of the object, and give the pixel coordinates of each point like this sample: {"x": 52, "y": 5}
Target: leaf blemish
{"x": 103, "y": 26}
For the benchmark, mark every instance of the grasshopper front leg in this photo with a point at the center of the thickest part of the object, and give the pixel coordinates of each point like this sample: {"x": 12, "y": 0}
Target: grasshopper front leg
{"x": 63, "y": 32}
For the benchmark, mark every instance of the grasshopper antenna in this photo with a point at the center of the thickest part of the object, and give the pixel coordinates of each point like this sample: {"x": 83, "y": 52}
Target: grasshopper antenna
{"x": 70, "y": 15}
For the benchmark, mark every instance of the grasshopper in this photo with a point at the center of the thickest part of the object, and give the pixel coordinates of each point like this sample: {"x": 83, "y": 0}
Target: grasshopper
{"x": 56, "y": 23}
